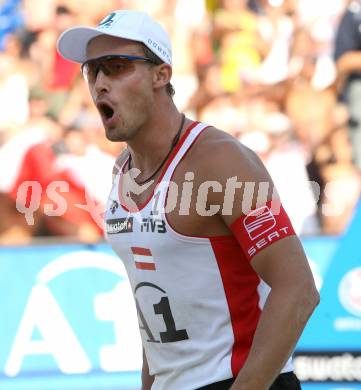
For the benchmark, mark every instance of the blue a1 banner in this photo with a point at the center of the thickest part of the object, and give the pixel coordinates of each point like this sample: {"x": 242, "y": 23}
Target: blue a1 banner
{"x": 68, "y": 318}
{"x": 329, "y": 353}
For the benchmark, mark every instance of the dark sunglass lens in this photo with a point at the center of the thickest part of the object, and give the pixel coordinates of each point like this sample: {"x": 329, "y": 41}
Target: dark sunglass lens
{"x": 117, "y": 66}
{"x": 110, "y": 66}
{"x": 89, "y": 70}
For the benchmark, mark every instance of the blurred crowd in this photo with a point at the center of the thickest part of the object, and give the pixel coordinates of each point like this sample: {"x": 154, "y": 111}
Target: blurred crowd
{"x": 280, "y": 75}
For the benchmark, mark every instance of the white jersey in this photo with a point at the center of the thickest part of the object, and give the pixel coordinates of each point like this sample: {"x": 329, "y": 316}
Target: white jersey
{"x": 198, "y": 298}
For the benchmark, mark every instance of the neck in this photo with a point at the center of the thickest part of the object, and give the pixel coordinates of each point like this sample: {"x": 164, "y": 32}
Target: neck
{"x": 152, "y": 143}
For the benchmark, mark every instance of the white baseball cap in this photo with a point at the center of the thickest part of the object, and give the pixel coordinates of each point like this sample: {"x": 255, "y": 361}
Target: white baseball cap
{"x": 128, "y": 24}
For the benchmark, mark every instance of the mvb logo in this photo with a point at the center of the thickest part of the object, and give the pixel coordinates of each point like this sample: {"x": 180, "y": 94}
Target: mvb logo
{"x": 73, "y": 316}
{"x": 153, "y": 224}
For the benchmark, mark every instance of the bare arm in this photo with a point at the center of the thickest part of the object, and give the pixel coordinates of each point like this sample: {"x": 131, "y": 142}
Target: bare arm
{"x": 347, "y": 46}
{"x": 293, "y": 297}
{"x": 348, "y": 63}
{"x": 282, "y": 265}
{"x": 147, "y": 380}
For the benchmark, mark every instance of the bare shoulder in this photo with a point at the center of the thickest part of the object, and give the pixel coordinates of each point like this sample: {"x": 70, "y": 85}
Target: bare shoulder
{"x": 217, "y": 155}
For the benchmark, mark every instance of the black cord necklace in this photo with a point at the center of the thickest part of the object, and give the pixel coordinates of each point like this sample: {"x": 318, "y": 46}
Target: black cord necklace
{"x": 174, "y": 143}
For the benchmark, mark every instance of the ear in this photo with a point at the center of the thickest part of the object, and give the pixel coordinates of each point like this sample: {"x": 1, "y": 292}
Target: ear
{"x": 162, "y": 75}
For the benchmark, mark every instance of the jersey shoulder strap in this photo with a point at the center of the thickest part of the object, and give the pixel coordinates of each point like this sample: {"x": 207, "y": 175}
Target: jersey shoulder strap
{"x": 189, "y": 138}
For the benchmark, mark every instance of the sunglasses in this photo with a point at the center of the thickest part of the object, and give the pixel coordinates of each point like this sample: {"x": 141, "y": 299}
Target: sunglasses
{"x": 112, "y": 65}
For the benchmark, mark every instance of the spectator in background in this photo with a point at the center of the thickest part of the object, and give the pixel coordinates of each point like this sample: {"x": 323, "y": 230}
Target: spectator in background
{"x": 348, "y": 64}
{"x": 209, "y": 88}
{"x": 235, "y": 28}
{"x": 62, "y": 73}
{"x": 276, "y": 27}
{"x": 34, "y": 155}
{"x": 238, "y": 62}
{"x": 10, "y": 18}
{"x": 14, "y": 88}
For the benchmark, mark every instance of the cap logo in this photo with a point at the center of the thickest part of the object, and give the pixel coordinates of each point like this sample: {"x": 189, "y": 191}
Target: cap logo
{"x": 107, "y": 21}
{"x": 158, "y": 48}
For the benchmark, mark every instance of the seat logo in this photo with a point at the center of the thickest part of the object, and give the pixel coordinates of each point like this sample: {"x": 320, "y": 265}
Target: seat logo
{"x": 259, "y": 221}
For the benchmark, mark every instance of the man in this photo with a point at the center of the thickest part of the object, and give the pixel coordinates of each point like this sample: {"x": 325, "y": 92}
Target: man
{"x": 348, "y": 66}
{"x": 199, "y": 266}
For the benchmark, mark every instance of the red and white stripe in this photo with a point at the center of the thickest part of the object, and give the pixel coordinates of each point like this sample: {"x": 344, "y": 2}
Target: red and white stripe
{"x": 143, "y": 258}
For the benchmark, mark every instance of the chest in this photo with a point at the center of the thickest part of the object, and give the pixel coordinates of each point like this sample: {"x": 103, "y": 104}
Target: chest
{"x": 183, "y": 199}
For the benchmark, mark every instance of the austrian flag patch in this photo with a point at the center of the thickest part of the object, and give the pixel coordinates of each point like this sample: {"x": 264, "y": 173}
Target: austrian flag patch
{"x": 143, "y": 258}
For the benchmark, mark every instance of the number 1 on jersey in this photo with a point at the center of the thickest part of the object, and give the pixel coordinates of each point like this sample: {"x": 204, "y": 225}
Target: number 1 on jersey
{"x": 171, "y": 334}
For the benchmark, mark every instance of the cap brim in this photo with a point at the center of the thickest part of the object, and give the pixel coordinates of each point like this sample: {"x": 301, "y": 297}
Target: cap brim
{"x": 73, "y": 42}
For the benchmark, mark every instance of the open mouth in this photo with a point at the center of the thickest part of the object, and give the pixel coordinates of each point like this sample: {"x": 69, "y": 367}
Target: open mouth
{"x": 106, "y": 111}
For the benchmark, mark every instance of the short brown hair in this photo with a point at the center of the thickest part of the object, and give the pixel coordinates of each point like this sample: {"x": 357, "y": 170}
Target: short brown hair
{"x": 157, "y": 61}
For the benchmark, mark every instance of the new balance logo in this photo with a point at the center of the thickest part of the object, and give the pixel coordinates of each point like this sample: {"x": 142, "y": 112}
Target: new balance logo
{"x": 259, "y": 221}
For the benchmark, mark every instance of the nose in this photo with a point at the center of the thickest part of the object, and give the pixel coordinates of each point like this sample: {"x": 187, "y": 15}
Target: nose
{"x": 102, "y": 82}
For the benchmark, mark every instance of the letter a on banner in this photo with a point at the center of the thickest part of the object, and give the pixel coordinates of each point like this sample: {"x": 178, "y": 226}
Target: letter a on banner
{"x": 43, "y": 313}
